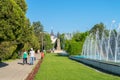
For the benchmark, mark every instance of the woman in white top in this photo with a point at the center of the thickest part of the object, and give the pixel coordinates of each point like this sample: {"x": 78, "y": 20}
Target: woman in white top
{"x": 32, "y": 55}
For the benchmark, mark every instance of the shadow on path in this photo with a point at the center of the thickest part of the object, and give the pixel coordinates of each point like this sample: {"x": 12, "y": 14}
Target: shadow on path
{"x": 23, "y": 64}
{"x": 2, "y": 64}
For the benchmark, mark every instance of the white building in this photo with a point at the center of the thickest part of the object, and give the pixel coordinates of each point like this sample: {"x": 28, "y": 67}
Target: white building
{"x": 53, "y": 37}
{"x": 68, "y": 36}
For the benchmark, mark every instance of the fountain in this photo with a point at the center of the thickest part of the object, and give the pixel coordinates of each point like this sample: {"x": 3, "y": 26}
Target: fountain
{"x": 102, "y": 51}
{"x": 104, "y": 47}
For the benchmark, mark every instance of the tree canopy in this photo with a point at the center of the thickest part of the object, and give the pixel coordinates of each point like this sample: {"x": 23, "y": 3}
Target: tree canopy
{"x": 22, "y": 4}
{"x": 16, "y": 32}
{"x": 12, "y": 21}
{"x": 74, "y": 46}
{"x": 100, "y": 27}
{"x": 38, "y": 27}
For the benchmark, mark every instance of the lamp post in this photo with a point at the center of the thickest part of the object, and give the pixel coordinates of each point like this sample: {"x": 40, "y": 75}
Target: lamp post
{"x": 42, "y": 41}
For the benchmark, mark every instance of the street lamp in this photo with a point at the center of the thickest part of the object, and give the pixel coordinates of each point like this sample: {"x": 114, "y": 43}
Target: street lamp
{"x": 41, "y": 39}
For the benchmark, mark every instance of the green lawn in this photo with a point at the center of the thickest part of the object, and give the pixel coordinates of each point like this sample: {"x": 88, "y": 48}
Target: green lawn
{"x": 56, "y": 67}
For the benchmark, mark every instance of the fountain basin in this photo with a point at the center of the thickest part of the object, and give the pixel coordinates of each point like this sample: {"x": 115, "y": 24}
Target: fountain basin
{"x": 110, "y": 67}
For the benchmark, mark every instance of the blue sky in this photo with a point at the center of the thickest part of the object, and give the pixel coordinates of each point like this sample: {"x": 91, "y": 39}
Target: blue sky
{"x": 73, "y": 15}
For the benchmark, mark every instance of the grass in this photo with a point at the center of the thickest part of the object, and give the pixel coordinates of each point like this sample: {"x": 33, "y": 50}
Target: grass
{"x": 10, "y": 60}
{"x": 56, "y": 67}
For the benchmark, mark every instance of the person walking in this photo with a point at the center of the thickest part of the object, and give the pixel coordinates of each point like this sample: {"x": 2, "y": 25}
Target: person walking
{"x": 42, "y": 55}
{"x": 25, "y": 56}
{"x": 44, "y": 51}
{"x": 32, "y": 55}
{"x": 39, "y": 53}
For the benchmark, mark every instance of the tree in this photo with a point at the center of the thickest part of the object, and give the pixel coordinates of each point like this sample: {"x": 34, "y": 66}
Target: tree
{"x": 47, "y": 41}
{"x": 22, "y": 4}
{"x": 58, "y": 35}
{"x": 16, "y": 32}
{"x": 74, "y": 46}
{"x": 12, "y": 23}
{"x": 6, "y": 50}
{"x": 39, "y": 32}
{"x": 38, "y": 27}
{"x": 62, "y": 40}
{"x": 80, "y": 37}
{"x": 100, "y": 27}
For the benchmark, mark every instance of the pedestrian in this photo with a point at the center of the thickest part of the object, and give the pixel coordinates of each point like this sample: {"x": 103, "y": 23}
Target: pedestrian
{"x": 42, "y": 55}
{"x": 32, "y": 56}
{"x": 39, "y": 53}
{"x": 44, "y": 51}
{"x": 25, "y": 56}
{"x": 35, "y": 56}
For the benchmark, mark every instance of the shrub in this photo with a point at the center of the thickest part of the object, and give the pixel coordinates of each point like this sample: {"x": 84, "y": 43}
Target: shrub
{"x": 14, "y": 56}
{"x": 6, "y": 50}
{"x": 73, "y": 48}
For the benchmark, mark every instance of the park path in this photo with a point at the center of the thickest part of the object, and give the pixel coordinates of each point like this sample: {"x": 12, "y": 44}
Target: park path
{"x": 15, "y": 70}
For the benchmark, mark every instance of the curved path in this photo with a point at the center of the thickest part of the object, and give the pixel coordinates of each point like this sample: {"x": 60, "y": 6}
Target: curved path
{"x": 15, "y": 70}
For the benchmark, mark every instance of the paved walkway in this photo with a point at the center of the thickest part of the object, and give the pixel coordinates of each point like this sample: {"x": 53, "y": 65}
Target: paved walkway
{"x": 15, "y": 70}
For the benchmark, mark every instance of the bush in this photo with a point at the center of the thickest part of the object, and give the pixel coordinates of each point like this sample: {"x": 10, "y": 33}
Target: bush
{"x": 73, "y": 48}
{"x": 6, "y": 50}
{"x": 14, "y": 56}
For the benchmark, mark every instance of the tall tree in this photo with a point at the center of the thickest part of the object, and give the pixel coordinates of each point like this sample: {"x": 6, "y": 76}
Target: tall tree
{"x": 38, "y": 27}
{"x": 47, "y": 41}
{"x": 22, "y": 4}
{"x": 16, "y": 32}
{"x": 75, "y": 45}
{"x": 58, "y": 35}
{"x": 62, "y": 41}
{"x": 12, "y": 23}
{"x": 39, "y": 32}
{"x": 100, "y": 27}
{"x": 80, "y": 37}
